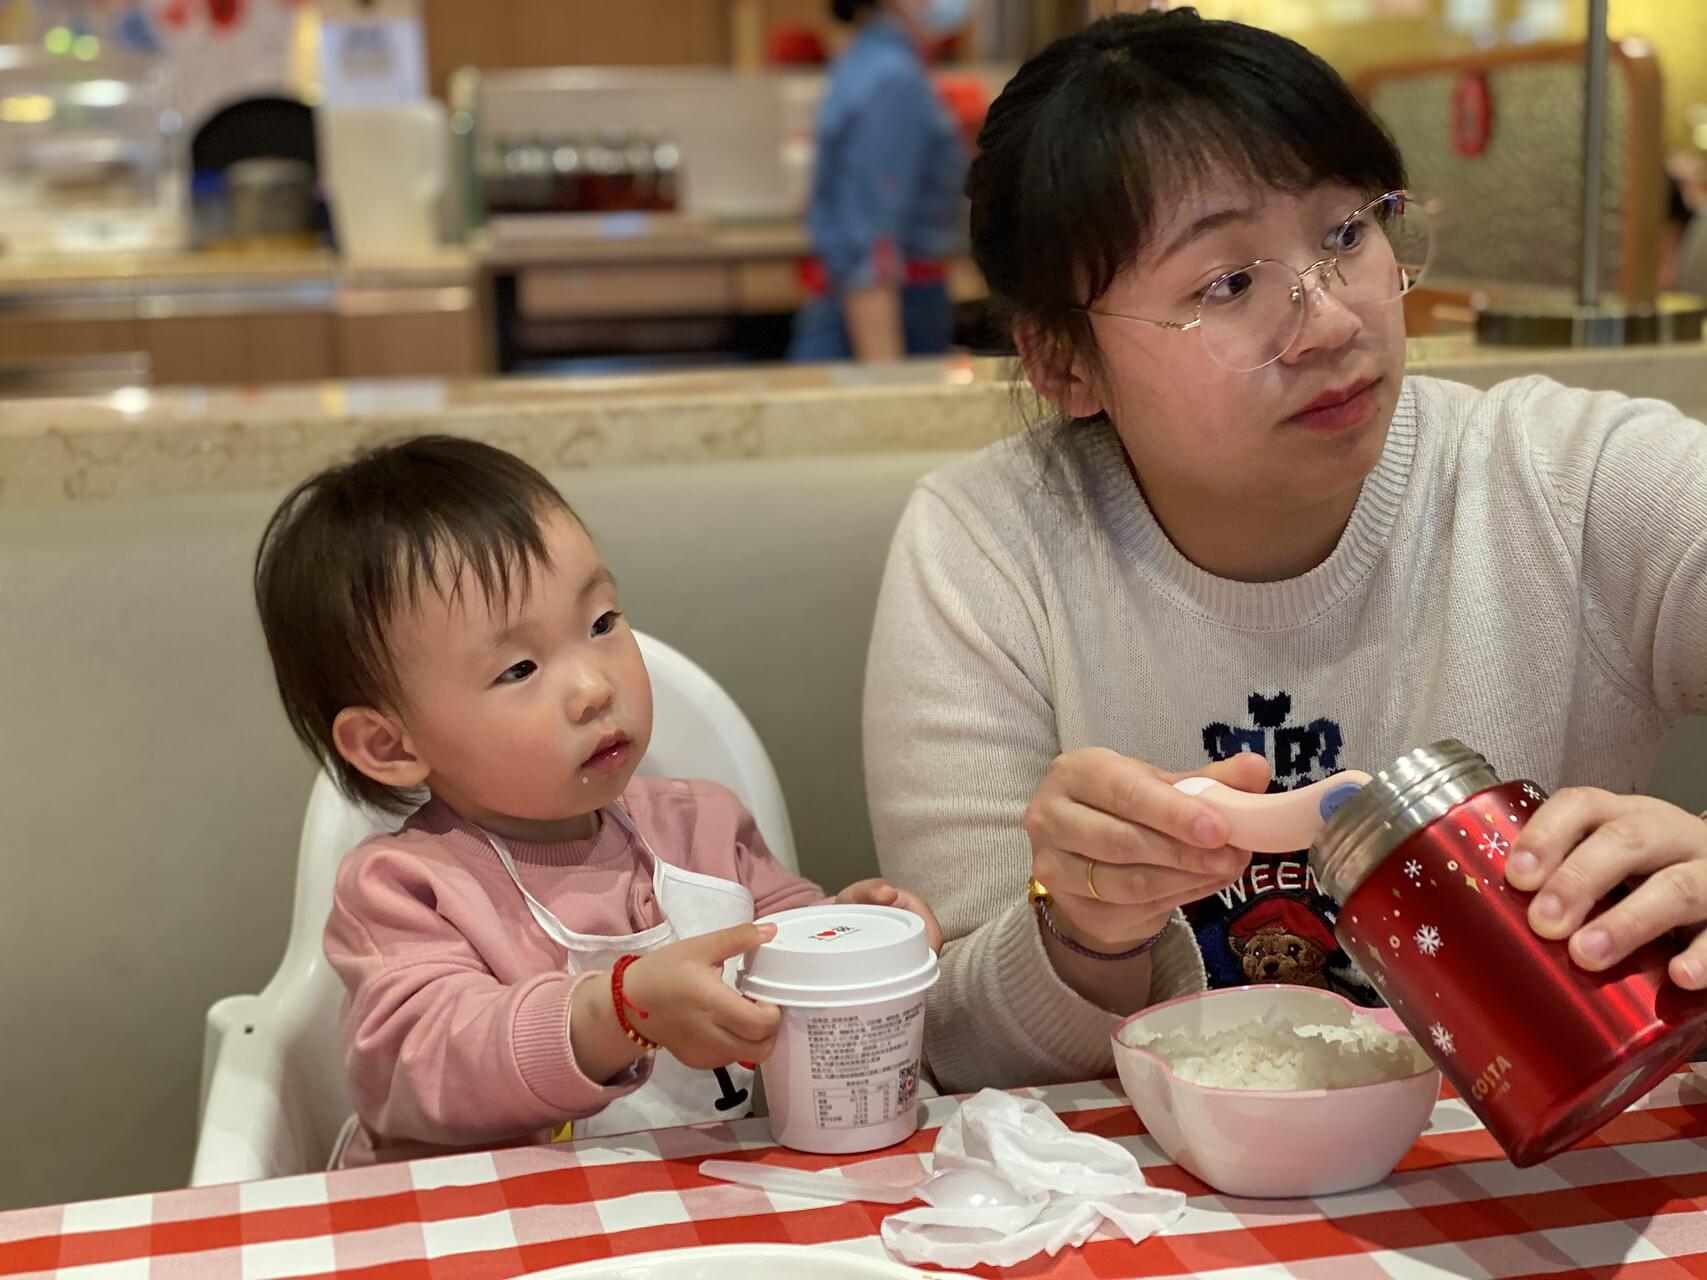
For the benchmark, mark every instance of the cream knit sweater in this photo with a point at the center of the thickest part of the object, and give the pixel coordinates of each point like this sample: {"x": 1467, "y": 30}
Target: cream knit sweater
{"x": 1525, "y": 570}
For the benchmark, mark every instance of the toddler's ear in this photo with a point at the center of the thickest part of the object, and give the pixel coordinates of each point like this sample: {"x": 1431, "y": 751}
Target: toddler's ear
{"x": 378, "y": 746}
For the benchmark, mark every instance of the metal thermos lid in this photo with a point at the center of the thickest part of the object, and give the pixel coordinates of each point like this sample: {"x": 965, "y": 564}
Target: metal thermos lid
{"x": 1405, "y": 797}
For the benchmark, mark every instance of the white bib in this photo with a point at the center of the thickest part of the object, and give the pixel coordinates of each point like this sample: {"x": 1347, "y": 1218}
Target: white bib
{"x": 692, "y": 905}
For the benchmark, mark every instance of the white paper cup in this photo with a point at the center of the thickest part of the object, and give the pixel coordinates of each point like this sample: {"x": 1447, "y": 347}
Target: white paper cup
{"x": 851, "y": 984}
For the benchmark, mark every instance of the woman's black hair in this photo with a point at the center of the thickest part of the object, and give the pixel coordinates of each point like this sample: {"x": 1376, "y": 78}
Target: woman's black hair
{"x": 851, "y": 10}
{"x": 1082, "y": 152}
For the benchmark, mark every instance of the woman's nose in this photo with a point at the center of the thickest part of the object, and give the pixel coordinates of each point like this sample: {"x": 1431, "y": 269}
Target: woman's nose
{"x": 1328, "y": 322}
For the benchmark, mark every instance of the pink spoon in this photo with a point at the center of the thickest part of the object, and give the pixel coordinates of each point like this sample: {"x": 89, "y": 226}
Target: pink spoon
{"x": 1280, "y": 823}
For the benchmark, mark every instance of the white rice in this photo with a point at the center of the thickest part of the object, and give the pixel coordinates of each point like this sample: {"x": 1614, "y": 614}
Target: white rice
{"x": 1275, "y": 1054}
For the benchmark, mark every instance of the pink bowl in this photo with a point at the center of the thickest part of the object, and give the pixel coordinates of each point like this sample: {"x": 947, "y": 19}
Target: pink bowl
{"x": 1267, "y": 1144}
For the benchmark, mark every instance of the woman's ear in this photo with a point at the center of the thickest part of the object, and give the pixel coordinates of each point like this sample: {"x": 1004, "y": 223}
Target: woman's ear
{"x": 378, "y": 746}
{"x": 1060, "y": 376}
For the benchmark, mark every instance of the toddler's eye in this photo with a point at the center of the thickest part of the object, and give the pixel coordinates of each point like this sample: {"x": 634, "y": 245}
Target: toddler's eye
{"x": 516, "y": 674}
{"x": 606, "y": 623}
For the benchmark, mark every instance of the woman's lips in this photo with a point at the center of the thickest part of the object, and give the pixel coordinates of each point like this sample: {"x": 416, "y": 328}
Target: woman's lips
{"x": 611, "y": 755}
{"x": 1341, "y": 410}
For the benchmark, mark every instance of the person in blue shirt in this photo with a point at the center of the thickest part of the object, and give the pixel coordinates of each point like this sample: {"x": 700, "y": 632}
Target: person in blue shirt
{"x": 886, "y": 205}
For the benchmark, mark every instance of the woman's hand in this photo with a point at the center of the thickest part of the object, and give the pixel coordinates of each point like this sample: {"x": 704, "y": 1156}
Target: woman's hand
{"x": 1119, "y": 848}
{"x": 1582, "y": 844}
{"x": 880, "y": 893}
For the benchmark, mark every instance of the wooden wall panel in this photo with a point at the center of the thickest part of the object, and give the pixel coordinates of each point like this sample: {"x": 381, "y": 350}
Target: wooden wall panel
{"x": 26, "y": 337}
{"x": 558, "y": 33}
{"x": 246, "y": 349}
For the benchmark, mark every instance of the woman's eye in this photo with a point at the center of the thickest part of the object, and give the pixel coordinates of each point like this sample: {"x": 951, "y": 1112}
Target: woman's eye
{"x": 1229, "y": 288}
{"x": 606, "y": 623}
{"x": 516, "y": 674}
{"x": 1348, "y": 236}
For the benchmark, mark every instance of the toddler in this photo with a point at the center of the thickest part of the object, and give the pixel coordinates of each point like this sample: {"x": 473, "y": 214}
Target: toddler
{"x": 540, "y": 949}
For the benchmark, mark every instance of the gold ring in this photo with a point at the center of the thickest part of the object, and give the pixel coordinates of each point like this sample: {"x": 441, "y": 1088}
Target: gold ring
{"x": 1091, "y": 878}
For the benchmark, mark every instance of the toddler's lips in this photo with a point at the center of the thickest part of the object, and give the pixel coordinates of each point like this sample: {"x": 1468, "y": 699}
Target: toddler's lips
{"x": 612, "y": 754}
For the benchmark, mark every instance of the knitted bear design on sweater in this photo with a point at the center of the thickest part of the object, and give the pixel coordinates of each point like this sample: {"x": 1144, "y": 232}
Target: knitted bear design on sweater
{"x": 1274, "y": 924}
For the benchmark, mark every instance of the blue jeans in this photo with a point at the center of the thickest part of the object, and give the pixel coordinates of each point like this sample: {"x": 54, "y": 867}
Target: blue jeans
{"x": 927, "y": 321}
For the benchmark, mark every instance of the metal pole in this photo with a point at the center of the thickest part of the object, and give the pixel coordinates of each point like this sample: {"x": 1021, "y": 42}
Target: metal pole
{"x": 1594, "y": 152}
{"x": 1588, "y": 322}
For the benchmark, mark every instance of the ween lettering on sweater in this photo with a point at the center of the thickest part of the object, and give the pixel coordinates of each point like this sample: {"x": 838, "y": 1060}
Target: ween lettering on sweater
{"x": 1274, "y": 923}
{"x": 1291, "y": 875}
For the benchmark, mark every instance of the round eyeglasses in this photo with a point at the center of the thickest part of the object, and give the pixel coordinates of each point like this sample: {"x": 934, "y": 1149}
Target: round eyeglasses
{"x": 1250, "y": 317}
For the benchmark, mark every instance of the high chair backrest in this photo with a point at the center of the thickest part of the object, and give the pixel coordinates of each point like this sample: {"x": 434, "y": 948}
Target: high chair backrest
{"x": 273, "y": 1092}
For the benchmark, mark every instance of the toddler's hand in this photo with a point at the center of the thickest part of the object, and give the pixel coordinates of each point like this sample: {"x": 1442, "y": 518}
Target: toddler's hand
{"x": 880, "y": 893}
{"x": 691, "y": 1010}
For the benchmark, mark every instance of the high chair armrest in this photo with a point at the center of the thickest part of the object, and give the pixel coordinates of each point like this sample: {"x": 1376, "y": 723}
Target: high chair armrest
{"x": 223, "y": 1017}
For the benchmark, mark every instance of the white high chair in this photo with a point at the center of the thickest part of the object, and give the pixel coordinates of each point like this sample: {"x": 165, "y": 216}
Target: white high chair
{"x": 273, "y": 1098}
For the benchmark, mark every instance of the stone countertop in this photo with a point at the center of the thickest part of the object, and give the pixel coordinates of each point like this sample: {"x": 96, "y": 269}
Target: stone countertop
{"x": 636, "y": 238}
{"x": 137, "y": 442}
{"x": 593, "y": 240}
{"x": 77, "y": 273}
{"x": 72, "y": 287}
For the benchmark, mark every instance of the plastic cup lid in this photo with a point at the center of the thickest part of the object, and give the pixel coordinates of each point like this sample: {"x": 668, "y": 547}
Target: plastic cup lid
{"x": 838, "y": 955}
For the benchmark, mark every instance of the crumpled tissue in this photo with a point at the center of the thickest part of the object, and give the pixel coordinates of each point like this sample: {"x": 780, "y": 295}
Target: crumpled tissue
{"x": 1073, "y": 1184}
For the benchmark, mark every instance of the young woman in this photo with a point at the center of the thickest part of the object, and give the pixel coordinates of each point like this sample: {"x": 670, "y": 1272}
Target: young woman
{"x": 1249, "y": 544}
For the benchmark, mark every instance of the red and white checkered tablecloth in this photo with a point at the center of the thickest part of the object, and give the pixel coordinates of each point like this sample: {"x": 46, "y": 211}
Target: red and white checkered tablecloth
{"x": 1628, "y": 1203}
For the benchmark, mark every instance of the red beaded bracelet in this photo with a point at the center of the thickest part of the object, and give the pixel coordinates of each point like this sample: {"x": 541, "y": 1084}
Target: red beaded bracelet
{"x": 621, "y": 1003}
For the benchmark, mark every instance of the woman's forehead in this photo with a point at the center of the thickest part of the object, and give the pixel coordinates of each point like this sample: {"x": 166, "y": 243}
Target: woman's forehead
{"x": 1219, "y": 202}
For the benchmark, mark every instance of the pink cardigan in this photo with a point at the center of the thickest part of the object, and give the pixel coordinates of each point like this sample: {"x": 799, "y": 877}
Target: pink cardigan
{"x": 455, "y": 1024}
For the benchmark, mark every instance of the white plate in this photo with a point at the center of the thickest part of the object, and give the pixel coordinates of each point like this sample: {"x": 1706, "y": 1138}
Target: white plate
{"x": 736, "y": 1262}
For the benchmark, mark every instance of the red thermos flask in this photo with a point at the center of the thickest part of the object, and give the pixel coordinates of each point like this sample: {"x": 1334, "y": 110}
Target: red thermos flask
{"x": 1543, "y": 1051}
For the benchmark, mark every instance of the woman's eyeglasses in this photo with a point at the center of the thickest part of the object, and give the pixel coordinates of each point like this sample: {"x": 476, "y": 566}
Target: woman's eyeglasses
{"x": 1250, "y": 317}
